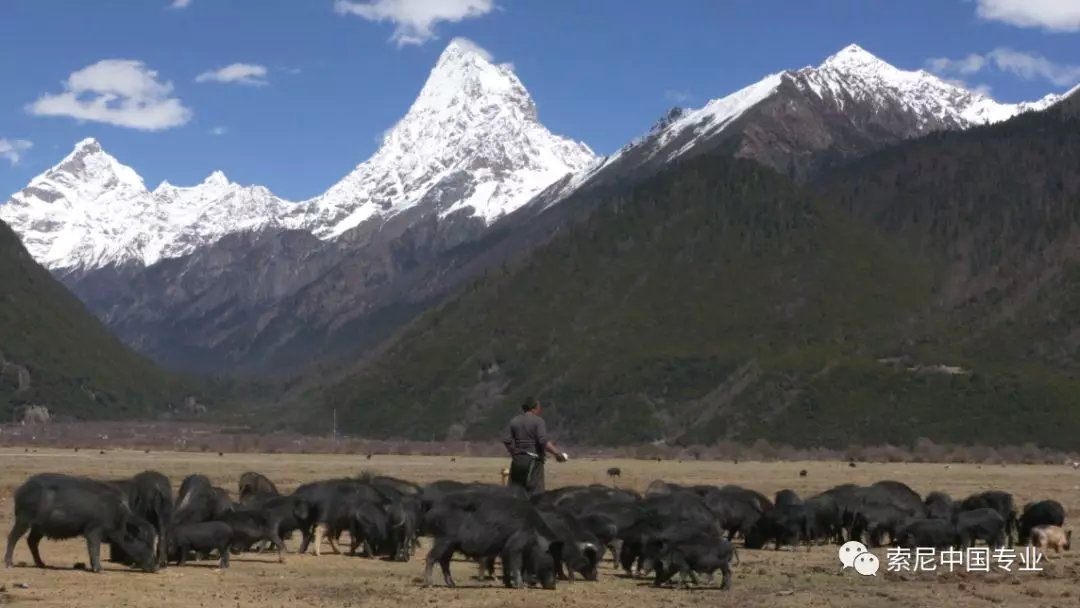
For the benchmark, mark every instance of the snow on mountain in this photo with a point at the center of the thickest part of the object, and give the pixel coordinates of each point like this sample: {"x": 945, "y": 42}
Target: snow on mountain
{"x": 719, "y": 113}
{"x": 865, "y": 77}
{"x": 208, "y": 211}
{"x": 851, "y": 76}
{"x": 90, "y": 210}
{"x": 471, "y": 139}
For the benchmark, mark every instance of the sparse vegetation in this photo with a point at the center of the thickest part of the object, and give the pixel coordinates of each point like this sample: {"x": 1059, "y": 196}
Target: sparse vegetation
{"x": 206, "y": 438}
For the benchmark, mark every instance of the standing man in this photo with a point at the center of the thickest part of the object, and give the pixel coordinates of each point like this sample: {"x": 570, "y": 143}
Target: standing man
{"x": 527, "y": 441}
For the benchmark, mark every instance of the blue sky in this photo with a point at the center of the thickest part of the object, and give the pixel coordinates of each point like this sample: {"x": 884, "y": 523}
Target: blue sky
{"x": 318, "y": 81}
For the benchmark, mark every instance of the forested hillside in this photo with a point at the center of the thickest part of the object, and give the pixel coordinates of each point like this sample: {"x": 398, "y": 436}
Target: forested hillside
{"x": 54, "y": 353}
{"x": 928, "y": 290}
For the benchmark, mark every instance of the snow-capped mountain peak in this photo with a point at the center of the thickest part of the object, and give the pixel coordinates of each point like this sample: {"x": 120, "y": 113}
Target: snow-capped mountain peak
{"x": 90, "y": 210}
{"x": 471, "y": 140}
{"x": 89, "y": 167}
{"x": 855, "y": 58}
{"x": 84, "y": 147}
{"x": 924, "y": 91}
{"x": 847, "y": 105}
{"x": 855, "y": 73}
{"x": 217, "y": 178}
{"x": 464, "y": 75}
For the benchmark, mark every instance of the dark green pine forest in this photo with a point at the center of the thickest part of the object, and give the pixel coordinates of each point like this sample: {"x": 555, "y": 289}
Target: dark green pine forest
{"x": 928, "y": 290}
{"x": 53, "y": 352}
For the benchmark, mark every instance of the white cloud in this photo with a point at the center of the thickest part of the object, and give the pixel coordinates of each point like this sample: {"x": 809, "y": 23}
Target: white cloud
{"x": 414, "y": 20}
{"x": 471, "y": 46}
{"x": 121, "y": 92}
{"x": 968, "y": 65}
{"x": 240, "y": 73}
{"x": 12, "y": 149}
{"x": 219, "y": 131}
{"x": 1052, "y": 15}
{"x": 180, "y": 4}
{"x": 1029, "y": 66}
{"x": 677, "y": 96}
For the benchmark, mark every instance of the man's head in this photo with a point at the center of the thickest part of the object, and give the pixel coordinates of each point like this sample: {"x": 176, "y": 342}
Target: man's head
{"x": 532, "y": 404}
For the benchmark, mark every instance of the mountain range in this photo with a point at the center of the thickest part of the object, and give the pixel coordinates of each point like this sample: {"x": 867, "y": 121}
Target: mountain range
{"x": 930, "y": 289}
{"x": 801, "y": 121}
{"x": 462, "y": 208}
{"x": 220, "y": 276}
{"x": 472, "y": 142}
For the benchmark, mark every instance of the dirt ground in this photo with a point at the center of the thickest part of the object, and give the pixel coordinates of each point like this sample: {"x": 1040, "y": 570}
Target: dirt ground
{"x": 779, "y": 579}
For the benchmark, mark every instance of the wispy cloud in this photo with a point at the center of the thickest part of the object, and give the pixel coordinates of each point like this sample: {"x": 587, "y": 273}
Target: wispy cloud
{"x": 250, "y": 74}
{"x": 1051, "y": 15}
{"x": 982, "y": 89}
{"x": 967, "y": 65}
{"x": 414, "y": 20}
{"x": 12, "y": 149}
{"x": 219, "y": 131}
{"x": 1029, "y": 66}
{"x": 121, "y": 92}
{"x": 677, "y": 96}
{"x": 180, "y": 4}
{"x": 471, "y": 46}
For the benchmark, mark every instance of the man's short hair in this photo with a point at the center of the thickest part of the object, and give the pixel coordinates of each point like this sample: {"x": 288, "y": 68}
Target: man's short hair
{"x": 529, "y": 404}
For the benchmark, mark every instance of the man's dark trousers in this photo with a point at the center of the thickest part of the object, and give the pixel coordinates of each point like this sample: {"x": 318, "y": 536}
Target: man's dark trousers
{"x": 527, "y": 472}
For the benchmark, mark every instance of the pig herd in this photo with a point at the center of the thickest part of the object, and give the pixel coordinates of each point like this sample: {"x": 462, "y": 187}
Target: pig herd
{"x": 560, "y": 534}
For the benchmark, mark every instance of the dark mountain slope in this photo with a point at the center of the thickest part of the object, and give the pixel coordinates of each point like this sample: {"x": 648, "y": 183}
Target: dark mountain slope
{"x": 267, "y": 303}
{"x": 53, "y": 352}
{"x": 998, "y": 209}
{"x": 702, "y": 304}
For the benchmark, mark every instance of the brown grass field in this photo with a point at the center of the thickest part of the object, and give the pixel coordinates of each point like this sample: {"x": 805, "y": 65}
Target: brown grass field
{"x": 778, "y": 579}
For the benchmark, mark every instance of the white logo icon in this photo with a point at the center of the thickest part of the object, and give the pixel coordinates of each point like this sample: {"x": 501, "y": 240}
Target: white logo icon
{"x": 867, "y": 564}
{"x": 849, "y": 551}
